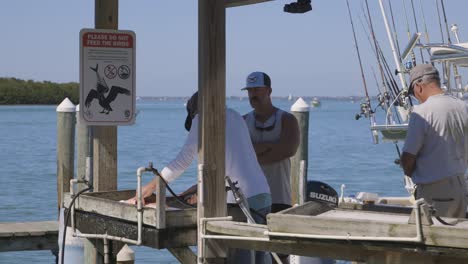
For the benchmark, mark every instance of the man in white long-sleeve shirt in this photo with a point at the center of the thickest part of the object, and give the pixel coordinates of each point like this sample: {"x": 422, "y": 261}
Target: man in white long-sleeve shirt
{"x": 241, "y": 162}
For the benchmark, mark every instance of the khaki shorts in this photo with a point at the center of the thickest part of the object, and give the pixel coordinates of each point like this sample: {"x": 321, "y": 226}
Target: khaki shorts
{"x": 447, "y": 196}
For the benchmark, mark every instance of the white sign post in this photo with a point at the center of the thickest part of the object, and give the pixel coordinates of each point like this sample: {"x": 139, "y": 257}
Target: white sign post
{"x": 107, "y": 77}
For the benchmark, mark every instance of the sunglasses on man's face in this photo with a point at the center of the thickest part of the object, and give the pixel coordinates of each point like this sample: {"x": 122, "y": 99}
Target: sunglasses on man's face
{"x": 262, "y": 128}
{"x": 411, "y": 89}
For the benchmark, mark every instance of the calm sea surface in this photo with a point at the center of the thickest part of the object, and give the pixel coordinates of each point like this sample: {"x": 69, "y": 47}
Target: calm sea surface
{"x": 340, "y": 151}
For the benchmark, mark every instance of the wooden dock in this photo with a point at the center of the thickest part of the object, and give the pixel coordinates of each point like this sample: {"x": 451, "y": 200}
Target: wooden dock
{"x": 317, "y": 230}
{"x": 29, "y": 236}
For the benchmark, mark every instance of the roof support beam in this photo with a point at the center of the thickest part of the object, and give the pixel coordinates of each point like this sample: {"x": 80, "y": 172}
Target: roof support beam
{"x": 235, "y": 3}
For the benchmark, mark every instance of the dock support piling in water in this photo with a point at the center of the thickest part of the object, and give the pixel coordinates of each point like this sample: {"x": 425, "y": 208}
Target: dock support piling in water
{"x": 65, "y": 147}
{"x": 300, "y": 110}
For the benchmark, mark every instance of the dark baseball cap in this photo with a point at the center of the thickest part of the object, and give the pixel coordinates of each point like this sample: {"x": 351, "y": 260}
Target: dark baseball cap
{"x": 192, "y": 110}
{"x": 422, "y": 72}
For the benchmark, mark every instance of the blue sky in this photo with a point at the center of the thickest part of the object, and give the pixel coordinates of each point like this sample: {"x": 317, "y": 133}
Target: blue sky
{"x": 305, "y": 54}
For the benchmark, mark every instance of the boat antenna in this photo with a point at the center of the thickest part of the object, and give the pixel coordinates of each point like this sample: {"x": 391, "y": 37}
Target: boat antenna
{"x": 417, "y": 29}
{"x": 358, "y": 54}
{"x": 413, "y": 56}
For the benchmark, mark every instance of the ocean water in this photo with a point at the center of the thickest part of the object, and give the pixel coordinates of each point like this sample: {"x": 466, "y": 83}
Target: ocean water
{"x": 340, "y": 152}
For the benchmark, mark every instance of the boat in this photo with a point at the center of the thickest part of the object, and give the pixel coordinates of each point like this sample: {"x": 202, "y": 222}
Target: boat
{"x": 315, "y": 102}
{"x": 393, "y": 99}
{"x": 290, "y": 97}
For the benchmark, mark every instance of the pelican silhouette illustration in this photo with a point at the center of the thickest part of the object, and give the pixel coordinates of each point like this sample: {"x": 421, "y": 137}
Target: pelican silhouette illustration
{"x": 100, "y": 93}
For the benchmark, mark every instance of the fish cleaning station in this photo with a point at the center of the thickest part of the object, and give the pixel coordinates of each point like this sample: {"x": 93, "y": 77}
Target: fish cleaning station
{"x": 321, "y": 225}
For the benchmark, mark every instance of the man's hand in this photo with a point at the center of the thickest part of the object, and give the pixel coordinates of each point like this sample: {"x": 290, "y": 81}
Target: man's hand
{"x": 408, "y": 163}
{"x": 133, "y": 200}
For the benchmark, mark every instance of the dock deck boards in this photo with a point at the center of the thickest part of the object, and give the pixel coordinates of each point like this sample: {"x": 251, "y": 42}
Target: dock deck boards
{"x": 29, "y": 236}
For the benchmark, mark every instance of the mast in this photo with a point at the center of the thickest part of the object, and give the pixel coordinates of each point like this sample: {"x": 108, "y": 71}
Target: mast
{"x": 395, "y": 55}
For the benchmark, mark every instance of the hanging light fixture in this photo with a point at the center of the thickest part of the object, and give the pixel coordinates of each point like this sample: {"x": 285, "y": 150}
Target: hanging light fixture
{"x": 298, "y": 7}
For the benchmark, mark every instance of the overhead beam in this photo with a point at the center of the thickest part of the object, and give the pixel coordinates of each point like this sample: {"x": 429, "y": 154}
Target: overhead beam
{"x": 235, "y": 3}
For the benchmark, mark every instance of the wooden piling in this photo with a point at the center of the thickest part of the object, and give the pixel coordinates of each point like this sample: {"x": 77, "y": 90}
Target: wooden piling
{"x": 65, "y": 147}
{"x": 104, "y": 137}
{"x": 300, "y": 109}
{"x": 212, "y": 116}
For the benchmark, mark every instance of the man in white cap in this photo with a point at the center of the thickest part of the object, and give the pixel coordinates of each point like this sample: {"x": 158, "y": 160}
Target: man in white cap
{"x": 435, "y": 154}
{"x": 275, "y": 136}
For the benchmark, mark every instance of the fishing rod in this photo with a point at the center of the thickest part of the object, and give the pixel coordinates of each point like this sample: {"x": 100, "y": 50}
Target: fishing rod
{"x": 384, "y": 80}
{"x": 365, "y": 109}
{"x": 397, "y": 58}
{"x": 417, "y": 29}
{"x": 413, "y": 56}
{"x": 446, "y": 23}
{"x": 440, "y": 22}
{"x": 441, "y": 31}
{"x": 394, "y": 30}
{"x": 390, "y": 39}
{"x": 375, "y": 43}
{"x": 376, "y": 81}
{"x": 455, "y": 68}
{"x": 426, "y": 33}
{"x": 392, "y": 84}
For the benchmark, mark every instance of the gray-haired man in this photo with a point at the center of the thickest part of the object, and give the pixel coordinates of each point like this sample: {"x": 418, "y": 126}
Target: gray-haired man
{"x": 435, "y": 154}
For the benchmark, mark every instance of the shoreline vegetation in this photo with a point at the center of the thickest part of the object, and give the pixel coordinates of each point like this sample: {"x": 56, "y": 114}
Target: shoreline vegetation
{"x": 14, "y": 91}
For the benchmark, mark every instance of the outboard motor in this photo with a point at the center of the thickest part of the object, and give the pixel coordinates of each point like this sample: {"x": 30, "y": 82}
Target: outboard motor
{"x": 321, "y": 192}
{"x": 324, "y": 198}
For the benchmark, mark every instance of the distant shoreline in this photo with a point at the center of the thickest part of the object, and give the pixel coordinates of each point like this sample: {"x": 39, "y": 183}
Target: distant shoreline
{"x": 240, "y": 98}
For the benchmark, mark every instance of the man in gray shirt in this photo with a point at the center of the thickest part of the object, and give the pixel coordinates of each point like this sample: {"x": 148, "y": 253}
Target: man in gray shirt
{"x": 435, "y": 154}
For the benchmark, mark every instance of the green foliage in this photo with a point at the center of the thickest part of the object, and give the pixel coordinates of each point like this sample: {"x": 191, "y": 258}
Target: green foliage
{"x": 16, "y": 91}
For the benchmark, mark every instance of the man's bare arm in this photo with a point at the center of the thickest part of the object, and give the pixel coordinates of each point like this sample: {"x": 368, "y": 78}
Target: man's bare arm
{"x": 287, "y": 145}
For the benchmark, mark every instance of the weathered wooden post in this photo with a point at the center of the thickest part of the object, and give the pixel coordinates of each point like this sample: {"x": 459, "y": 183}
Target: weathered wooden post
{"x": 212, "y": 113}
{"x": 65, "y": 147}
{"x": 104, "y": 137}
{"x": 300, "y": 109}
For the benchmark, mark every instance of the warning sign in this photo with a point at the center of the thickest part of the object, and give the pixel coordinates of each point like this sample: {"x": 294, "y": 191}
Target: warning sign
{"x": 107, "y": 77}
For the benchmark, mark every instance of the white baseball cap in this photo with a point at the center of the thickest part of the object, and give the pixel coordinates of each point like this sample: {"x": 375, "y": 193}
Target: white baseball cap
{"x": 256, "y": 80}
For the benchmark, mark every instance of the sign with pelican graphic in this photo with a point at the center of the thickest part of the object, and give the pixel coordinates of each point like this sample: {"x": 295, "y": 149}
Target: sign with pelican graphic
{"x": 107, "y": 77}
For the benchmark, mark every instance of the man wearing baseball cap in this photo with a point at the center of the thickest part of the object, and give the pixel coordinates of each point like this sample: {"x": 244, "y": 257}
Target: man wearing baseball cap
{"x": 435, "y": 153}
{"x": 275, "y": 136}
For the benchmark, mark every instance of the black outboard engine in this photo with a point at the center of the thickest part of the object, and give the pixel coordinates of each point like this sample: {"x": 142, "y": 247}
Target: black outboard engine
{"x": 321, "y": 192}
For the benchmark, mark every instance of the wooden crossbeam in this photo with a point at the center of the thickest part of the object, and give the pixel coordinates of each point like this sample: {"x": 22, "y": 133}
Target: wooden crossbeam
{"x": 234, "y": 3}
